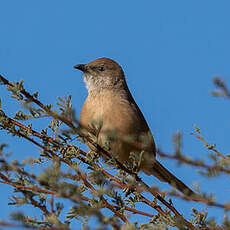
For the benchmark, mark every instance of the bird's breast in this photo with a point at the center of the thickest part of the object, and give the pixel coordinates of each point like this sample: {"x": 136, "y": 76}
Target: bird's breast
{"x": 116, "y": 118}
{"x": 111, "y": 108}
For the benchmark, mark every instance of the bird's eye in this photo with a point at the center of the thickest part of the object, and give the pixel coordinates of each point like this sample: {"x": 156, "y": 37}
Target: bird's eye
{"x": 101, "y": 68}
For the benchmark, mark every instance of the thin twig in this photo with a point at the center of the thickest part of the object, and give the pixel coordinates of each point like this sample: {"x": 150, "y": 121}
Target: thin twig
{"x": 188, "y": 161}
{"x": 208, "y": 145}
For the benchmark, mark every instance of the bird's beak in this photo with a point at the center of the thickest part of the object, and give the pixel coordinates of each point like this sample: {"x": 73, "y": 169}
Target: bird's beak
{"x": 82, "y": 67}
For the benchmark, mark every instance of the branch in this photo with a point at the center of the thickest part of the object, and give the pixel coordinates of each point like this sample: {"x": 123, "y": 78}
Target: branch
{"x": 211, "y": 147}
{"x": 98, "y": 147}
{"x": 181, "y": 158}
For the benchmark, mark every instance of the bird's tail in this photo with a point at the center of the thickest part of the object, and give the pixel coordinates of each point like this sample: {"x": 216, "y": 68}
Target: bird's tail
{"x": 159, "y": 171}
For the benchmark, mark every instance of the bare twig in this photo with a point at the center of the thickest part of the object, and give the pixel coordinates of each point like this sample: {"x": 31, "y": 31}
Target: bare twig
{"x": 188, "y": 161}
{"x": 211, "y": 147}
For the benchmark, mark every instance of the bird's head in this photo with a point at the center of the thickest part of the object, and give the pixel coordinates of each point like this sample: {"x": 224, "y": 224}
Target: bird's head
{"x": 102, "y": 73}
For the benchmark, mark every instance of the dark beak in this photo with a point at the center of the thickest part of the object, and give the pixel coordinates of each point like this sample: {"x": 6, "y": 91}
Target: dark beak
{"x": 82, "y": 67}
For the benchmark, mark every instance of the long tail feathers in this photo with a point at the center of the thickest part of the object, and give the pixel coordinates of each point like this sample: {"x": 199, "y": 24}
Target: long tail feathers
{"x": 164, "y": 175}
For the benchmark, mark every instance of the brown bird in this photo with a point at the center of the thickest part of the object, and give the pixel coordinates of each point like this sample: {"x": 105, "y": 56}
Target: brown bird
{"x": 116, "y": 120}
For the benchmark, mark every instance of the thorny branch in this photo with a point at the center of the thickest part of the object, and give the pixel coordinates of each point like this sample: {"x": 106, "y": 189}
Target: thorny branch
{"x": 179, "y": 158}
{"x": 84, "y": 179}
{"x": 54, "y": 193}
{"x": 100, "y": 149}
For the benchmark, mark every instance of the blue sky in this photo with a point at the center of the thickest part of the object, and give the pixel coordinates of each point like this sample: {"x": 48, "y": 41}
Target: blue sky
{"x": 170, "y": 52}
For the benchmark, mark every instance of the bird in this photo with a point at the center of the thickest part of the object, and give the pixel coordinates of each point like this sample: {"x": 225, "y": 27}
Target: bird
{"x": 112, "y": 115}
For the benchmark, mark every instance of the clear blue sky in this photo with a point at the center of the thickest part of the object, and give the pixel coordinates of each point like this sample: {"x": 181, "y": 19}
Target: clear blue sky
{"x": 170, "y": 51}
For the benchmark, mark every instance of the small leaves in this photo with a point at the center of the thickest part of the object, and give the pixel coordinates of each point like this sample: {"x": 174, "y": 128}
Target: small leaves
{"x": 35, "y": 94}
{"x": 21, "y": 116}
{"x": 200, "y": 218}
{"x": 16, "y": 89}
{"x": 18, "y": 201}
{"x": 222, "y": 91}
{"x": 18, "y": 216}
{"x": 65, "y": 107}
{"x": 177, "y": 141}
{"x": 197, "y": 129}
